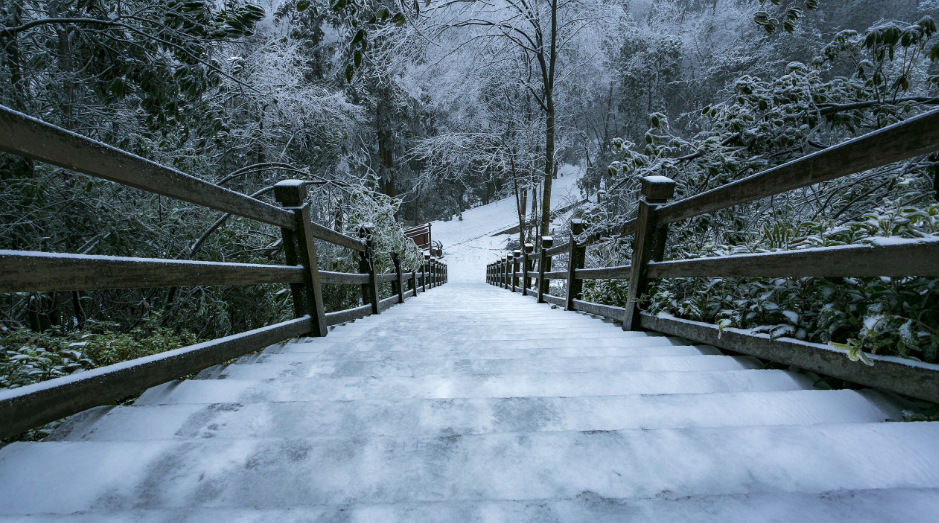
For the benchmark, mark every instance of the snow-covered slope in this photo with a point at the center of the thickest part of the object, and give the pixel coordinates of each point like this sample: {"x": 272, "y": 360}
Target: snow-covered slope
{"x": 469, "y": 245}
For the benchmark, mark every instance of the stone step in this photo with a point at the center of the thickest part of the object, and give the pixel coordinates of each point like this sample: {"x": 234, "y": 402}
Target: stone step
{"x": 475, "y": 386}
{"x": 68, "y": 477}
{"x": 350, "y": 368}
{"x": 651, "y": 347}
{"x": 426, "y": 344}
{"x": 446, "y": 417}
{"x": 902, "y": 505}
{"x": 395, "y": 331}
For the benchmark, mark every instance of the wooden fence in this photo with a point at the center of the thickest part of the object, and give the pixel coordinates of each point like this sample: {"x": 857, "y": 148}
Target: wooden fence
{"x": 23, "y": 271}
{"x": 914, "y": 137}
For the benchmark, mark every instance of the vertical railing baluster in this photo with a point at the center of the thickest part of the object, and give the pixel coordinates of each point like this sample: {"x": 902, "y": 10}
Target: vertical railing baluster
{"x": 424, "y": 269}
{"x": 299, "y": 249}
{"x": 544, "y": 265}
{"x": 516, "y": 260}
{"x": 399, "y": 282}
{"x": 508, "y": 271}
{"x": 656, "y": 190}
{"x": 575, "y": 260}
{"x": 367, "y": 265}
{"x": 526, "y": 260}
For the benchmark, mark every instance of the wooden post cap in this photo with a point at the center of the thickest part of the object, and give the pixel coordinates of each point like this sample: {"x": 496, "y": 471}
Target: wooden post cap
{"x": 657, "y": 189}
{"x": 290, "y": 193}
{"x": 517, "y": 253}
{"x": 577, "y": 226}
{"x": 529, "y": 248}
{"x": 426, "y": 256}
{"x": 508, "y": 256}
{"x": 547, "y": 241}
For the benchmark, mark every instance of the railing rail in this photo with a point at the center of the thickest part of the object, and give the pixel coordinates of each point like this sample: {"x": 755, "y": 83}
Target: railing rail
{"x": 23, "y": 271}
{"x": 916, "y": 136}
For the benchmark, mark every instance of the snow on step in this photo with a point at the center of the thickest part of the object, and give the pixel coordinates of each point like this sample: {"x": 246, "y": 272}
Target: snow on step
{"x": 624, "y": 340}
{"x": 65, "y": 477}
{"x": 446, "y": 417}
{"x": 484, "y": 353}
{"x": 473, "y": 386}
{"x": 269, "y": 370}
{"x": 841, "y": 506}
{"x": 471, "y": 403}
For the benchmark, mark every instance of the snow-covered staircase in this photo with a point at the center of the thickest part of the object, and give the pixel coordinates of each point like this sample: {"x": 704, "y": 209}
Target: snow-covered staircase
{"x": 473, "y": 404}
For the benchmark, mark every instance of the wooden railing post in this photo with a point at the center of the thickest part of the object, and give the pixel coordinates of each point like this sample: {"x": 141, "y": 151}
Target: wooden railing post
{"x": 575, "y": 261}
{"x": 414, "y": 281}
{"x": 508, "y": 271}
{"x": 399, "y": 283}
{"x": 367, "y": 264}
{"x": 656, "y": 190}
{"x": 433, "y": 272}
{"x": 424, "y": 269}
{"x": 300, "y": 250}
{"x": 544, "y": 264}
{"x": 516, "y": 260}
{"x": 526, "y": 268}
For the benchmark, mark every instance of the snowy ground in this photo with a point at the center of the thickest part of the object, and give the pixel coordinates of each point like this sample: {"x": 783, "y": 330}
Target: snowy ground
{"x": 468, "y": 245}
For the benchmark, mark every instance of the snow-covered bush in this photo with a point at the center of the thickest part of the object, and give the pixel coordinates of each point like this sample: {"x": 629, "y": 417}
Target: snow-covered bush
{"x": 859, "y": 82}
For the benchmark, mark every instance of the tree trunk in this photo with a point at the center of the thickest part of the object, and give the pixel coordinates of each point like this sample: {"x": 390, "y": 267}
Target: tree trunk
{"x": 548, "y": 164}
{"x": 385, "y": 145}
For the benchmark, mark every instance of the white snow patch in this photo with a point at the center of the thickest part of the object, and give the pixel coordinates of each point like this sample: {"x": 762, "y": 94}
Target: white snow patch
{"x": 468, "y": 244}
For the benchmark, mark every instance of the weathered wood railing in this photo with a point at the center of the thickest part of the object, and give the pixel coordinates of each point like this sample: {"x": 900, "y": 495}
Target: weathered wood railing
{"x": 21, "y": 271}
{"x": 914, "y": 137}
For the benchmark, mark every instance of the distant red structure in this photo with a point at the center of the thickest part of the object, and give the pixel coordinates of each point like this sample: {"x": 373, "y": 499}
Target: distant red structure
{"x": 421, "y": 235}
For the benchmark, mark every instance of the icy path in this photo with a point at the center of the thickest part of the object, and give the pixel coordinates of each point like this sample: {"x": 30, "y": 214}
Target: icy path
{"x": 470, "y": 403}
{"x": 469, "y": 245}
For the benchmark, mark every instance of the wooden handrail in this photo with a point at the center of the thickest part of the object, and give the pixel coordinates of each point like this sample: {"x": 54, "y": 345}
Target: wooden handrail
{"x": 35, "y": 405}
{"x": 914, "y": 137}
{"x": 26, "y": 271}
{"x": 29, "y": 137}
{"x": 326, "y": 234}
{"x": 897, "y": 259}
{"x": 343, "y": 278}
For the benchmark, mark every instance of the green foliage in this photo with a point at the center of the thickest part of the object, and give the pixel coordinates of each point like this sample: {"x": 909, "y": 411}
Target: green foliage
{"x": 897, "y": 317}
{"x": 788, "y": 12}
{"x": 28, "y": 357}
